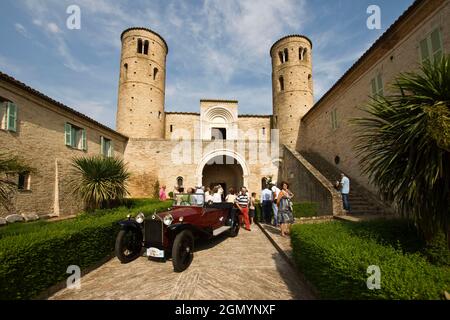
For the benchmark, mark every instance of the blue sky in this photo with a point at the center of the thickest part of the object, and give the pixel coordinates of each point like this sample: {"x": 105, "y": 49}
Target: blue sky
{"x": 217, "y": 48}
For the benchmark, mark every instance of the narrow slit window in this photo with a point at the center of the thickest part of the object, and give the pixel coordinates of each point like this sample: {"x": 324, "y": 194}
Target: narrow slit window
{"x": 24, "y": 181}
{"x": 281, "y": 82}
{"x": 146, "y": 45}
{"x": 280, "y": 56}
{"x": 155, "y": 73}
{"x": 286, "y": 55}
{"x": 140, "y": 46}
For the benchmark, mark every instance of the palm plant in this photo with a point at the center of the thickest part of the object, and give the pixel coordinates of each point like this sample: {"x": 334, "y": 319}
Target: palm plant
{"x": 100, "y": 181}
{"x": 10, "y": 166}
{"x": 404, "y": 146}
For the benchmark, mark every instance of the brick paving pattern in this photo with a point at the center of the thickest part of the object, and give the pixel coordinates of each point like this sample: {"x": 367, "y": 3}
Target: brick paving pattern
{"x": 245, "y": 267}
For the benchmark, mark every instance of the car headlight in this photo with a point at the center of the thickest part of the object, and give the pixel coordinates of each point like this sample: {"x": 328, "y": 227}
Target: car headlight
{"x": 140, "y": 218}
{"x": 168, "y": 219}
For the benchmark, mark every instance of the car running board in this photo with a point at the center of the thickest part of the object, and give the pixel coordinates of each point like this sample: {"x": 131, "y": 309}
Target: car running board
{"x": 221, "y": 230}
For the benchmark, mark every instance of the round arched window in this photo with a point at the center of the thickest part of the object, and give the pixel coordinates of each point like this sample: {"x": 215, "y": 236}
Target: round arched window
{"x": 337, "y": 159}
{"x": 180, "y": 181}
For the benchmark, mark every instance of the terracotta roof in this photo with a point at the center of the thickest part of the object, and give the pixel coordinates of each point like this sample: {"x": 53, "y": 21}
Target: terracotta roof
{"x": 290, "y": 36}
{"x": 145, "y": 29}
{"x": 186, "y": 113}
{"x": 377, "y": 44}
{"x": 254, "y": 116}
{"x": 218, "y": 100}
{"x": 38, "y": 94}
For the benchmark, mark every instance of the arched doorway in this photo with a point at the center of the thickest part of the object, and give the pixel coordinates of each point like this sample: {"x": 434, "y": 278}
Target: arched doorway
{"x": 224, "y": 163}
{"x": 223, "y": 170}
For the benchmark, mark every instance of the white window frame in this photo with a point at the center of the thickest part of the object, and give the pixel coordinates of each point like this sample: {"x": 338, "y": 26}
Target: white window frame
{"x": 431, "y": 53}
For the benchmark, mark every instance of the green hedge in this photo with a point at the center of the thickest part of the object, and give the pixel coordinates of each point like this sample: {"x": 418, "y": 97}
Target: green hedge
{"x": 305, "y": 209}
{"x": 334, "y": 257}
{"x": 35, "y": 256}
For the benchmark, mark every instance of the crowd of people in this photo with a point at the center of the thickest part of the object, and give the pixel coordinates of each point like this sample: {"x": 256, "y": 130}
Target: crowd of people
{"x": 275, "y": 202}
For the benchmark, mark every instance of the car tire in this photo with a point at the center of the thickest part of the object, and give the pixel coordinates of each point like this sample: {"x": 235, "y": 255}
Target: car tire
{"x": 234, "y": 230}
{"x": 128, "y": 245}
{"x": 183, "y": 251}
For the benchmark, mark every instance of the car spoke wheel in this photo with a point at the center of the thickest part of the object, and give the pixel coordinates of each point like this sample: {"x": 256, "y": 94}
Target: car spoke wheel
{"x": 183, "y": 251}
{"x": 128, "y": 245}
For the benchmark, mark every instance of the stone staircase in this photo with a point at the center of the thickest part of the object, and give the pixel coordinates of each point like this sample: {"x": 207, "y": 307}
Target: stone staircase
{"x": 362, "y": 202}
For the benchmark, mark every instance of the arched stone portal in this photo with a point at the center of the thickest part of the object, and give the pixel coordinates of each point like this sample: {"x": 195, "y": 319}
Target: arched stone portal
{"x": 224, "y": 167}
{"x": 223, "y": 170}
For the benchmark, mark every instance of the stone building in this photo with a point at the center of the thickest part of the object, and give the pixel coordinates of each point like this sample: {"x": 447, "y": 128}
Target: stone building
{"x": 303, "y": 142}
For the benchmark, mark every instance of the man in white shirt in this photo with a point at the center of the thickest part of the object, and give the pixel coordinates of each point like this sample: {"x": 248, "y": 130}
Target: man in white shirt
{"x": 276, "y": 191}
{"x": 266, "y": 202}
{"x": 345, "y": 190}
{"x": 199, "y": 195}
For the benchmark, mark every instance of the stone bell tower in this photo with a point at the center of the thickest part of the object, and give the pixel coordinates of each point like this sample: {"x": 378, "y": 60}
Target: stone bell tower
{"x": 140, "y": 110}
{"x": 292, "y": 85}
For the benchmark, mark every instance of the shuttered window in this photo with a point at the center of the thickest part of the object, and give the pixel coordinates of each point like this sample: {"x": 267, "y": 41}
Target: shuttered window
{"x": 377, "y": 85}
{"x": 75, "y": 137}
{"x": 107, "y": 147}
{"x": 334, "y": 122}
{"x": 430, "y": 48}
{"x": 8, "y": 116}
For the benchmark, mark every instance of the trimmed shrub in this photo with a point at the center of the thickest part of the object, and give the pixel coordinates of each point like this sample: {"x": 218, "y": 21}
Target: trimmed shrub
{"x": 305, "y": 209}
{"x": 335, "y": 256}
{"x": 35, "y": 256}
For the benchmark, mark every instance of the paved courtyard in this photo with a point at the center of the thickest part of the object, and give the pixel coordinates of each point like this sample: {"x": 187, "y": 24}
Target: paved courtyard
{"x": 245, "y": 267}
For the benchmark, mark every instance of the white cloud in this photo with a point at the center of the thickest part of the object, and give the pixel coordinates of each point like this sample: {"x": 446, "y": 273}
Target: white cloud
{"x": 53, "y": 27}
{"x": 22, "y": 30}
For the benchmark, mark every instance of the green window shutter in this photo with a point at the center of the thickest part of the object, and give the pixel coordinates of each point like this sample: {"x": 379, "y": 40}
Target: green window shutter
{"x": 83, "y": 140}
{"x": 436, "y": 45}
{"x": 374, "y": 87}
{"x": 424, "y": 52}
{"x": 111, "y": 149}
{"x": 68, "y": 134}
{"x": 332, "y": 120}
{"x": 379, "y": 85}
{"x": 335, "y": 119}
{"x": 11, "y": 123}
{"x": 102, "y": 146}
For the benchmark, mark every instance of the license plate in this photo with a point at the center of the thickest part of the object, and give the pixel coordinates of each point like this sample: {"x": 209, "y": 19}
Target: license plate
{"x": 155, "y": 253}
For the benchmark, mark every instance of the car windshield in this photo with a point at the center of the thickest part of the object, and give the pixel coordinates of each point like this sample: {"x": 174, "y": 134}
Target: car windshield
{"x": 189, "y": 199}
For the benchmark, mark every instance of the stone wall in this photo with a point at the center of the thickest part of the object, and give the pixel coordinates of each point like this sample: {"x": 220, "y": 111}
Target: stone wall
{"x": 308, "y": 184}
{"x": 164, "y": 161}
{"x": 40, "y": 141}
{"x": 399, "y": 53}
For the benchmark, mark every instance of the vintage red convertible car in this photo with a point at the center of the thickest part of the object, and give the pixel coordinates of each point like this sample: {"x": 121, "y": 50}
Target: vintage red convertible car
{"x": 172, "y": 234}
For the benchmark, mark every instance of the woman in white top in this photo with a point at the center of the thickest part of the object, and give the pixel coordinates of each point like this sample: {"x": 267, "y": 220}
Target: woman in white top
{"x": 216, "y": 198}
{"x": 208, "y": 196}
{"x": 231, "y": 197}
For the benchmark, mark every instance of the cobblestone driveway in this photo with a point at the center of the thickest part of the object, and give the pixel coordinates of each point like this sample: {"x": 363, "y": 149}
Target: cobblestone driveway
{"x": 245, "y": 267}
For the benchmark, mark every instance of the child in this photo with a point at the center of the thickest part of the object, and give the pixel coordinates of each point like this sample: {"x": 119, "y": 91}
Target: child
{"x": 252, "y": 207}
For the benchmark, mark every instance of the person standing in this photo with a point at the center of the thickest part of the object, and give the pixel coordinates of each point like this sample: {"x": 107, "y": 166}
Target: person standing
{"x": 231, "y": 197}
{"x": 216, "y": 198}
{"x": 252, "y": 207}
{"x": 266, "y": 202}
{"x": 276, "y": 193}
{"x": 345, "y": 191}
{"x": 162, "y": 194}
{"x": 284, "y": 202}
{"x": 242, "y": 202}
{"x": 208, "y": 195}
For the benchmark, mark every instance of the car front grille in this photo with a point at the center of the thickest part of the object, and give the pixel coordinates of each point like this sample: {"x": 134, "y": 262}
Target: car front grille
{"x": 153, "y": 233}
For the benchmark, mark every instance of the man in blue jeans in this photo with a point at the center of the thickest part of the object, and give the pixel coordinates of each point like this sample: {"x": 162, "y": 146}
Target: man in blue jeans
{"x": 345, "y": 190}
{"x": 266, "y": 201}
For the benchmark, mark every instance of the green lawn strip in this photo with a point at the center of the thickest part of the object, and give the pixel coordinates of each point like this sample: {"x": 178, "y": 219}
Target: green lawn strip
{"x": 37, "y": 258}
{"x": 335, "y": 259}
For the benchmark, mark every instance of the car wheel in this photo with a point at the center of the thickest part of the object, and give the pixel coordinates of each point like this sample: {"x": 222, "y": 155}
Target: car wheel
{"x": 128, "y": 245}
{"x": 234, "y": 230}
{"x": 183, "y": 251}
